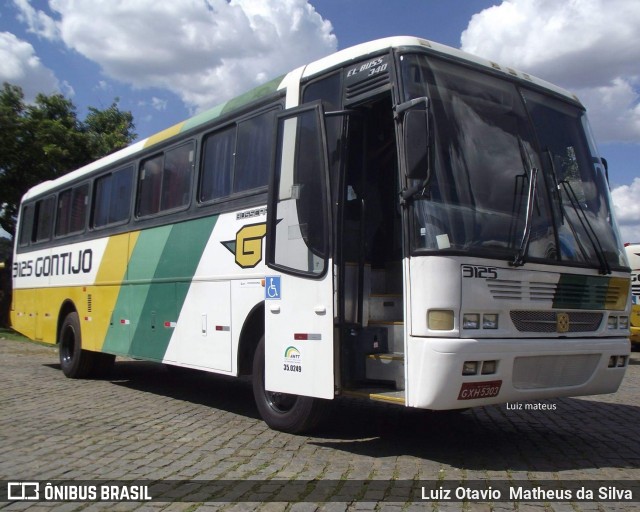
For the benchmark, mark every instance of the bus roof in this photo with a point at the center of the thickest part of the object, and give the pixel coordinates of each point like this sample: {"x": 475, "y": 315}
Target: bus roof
{"x": 339, "y": 58}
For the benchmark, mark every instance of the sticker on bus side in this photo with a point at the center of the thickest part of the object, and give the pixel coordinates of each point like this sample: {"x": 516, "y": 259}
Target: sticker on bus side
{"x": 474, "y": 390}
{"x": 272, "y": 288}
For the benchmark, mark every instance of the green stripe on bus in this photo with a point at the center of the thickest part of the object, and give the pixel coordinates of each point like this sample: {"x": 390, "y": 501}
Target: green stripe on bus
{"x": 168, "y": 289}
{"x": 233, "y": 104}
{"x": 135, "y": 288}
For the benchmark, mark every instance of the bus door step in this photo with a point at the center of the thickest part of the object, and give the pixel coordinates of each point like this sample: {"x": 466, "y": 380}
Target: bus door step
{"x": 386, "y": 367}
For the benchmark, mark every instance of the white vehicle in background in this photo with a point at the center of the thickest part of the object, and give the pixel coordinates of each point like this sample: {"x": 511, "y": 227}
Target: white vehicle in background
{"x": 633, "y": 255}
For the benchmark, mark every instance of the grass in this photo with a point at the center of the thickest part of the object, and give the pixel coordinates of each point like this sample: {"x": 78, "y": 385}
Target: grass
{"x": 10, "y": 334}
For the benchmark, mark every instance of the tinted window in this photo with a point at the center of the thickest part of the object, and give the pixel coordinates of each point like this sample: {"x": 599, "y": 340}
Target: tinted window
{"x": 178, "y": 164}
{"x": 150, "y": 186}
{"x": 72, "y": 210}
{"x": 165, "y": 181}
{"x": 217, "y": 165}
{"x": 255, "y": 138}
{"x": 112, "y": 198}
{"x": 237, "y": 158}
{"x": 44, "y": 219}
{"x": 26, "y": 224}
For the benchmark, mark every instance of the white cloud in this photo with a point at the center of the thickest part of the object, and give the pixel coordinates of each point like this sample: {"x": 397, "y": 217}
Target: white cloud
{"x": 159, "y": 103}
{"x": 626, "y": 201}
{"x": 19, "y": 65}
{"x": 206, "y": 51}
{"x": 591, "y": 47}
{"x": 38, "y": 22}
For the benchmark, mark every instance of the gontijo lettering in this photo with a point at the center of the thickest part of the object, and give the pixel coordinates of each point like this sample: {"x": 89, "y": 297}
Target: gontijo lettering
{"x": 66, "y": 263}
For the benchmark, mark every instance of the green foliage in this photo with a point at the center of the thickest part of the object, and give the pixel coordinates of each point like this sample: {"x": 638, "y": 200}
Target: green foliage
{"x": 45, "y": 140}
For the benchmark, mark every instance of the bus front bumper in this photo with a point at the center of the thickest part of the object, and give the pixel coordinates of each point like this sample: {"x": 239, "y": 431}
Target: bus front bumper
{"x": 445, "y": 373}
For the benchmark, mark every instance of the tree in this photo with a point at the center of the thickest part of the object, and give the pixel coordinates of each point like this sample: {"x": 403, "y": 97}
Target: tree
{"x": 45, "y": 140}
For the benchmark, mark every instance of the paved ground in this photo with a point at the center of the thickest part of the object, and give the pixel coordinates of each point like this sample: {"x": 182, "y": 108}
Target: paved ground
{"x": 148, "y": 423}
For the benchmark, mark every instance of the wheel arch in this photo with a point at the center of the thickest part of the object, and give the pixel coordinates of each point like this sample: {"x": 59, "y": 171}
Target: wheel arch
{"x": 252, "y": 331}
{"x": 67, "y": 307}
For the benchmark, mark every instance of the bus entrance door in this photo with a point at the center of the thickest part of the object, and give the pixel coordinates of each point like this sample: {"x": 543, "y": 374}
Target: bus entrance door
{"x": 299, "y": 294}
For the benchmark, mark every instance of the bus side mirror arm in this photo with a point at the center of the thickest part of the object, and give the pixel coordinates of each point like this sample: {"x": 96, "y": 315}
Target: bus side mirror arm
{"x": 605, "y": 164}
{"x": 416, "y": 140}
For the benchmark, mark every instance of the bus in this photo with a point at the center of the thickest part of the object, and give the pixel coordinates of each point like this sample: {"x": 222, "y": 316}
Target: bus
{"x": 633, "y": 254}
{"x": 399, "y": 221}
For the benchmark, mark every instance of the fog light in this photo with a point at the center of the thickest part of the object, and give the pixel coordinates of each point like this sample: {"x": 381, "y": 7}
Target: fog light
{"x": 489, "y": 367}
{"x": 471, "y": 321}
{"x": 622, "y": 361}
{"x": 490, "y": 321}
{"x": 623, "y": 322}
{"x": 612, "y": 323}
{"x": 613, "y": 361}
{"x": 440, "y": 319}
{"x": 470, "y": 368}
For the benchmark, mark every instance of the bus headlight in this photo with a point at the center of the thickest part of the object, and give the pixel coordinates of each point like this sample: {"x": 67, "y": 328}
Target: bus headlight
{"x": 470, "y": 368}
{"x": 440, "y": 319}
{"x": 618, "y": 322}
{"x": 490, "y": 321}
{"x": 471, "y": 321}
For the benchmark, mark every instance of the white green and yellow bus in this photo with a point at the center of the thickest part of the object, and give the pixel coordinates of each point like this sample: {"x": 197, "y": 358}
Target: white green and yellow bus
{"x": 399, "y": 221}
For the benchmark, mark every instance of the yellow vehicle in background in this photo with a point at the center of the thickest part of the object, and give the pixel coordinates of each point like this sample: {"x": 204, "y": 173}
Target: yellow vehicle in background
{"x": 633, "y": 255}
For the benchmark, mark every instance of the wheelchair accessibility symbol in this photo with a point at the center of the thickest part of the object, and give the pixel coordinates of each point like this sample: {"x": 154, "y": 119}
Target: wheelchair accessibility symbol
{"x": 272, "y": 288}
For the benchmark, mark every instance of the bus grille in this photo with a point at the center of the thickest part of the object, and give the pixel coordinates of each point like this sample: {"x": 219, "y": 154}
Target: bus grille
{"x": 540, "y": 372}
{"x": 547, "y": 321}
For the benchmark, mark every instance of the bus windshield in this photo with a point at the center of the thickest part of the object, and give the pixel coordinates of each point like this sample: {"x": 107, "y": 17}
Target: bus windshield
{"x": 514, "y": 174}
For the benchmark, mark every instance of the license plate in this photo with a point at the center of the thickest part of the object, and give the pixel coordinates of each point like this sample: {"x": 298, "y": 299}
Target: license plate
{"x": 475, "y": 390}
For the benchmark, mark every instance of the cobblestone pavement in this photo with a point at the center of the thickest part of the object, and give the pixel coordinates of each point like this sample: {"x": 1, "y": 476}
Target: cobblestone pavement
{"x": 148, "y": 423}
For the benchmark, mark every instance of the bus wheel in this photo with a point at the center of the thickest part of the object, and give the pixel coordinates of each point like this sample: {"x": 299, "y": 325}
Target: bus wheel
{"x": 281, "y": 411}
{"x": 75, "y": 362}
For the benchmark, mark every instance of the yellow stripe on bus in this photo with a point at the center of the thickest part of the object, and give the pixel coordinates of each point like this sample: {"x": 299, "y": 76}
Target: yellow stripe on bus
{"x": 108, "y": 284}
{"x": 164, "y": 134}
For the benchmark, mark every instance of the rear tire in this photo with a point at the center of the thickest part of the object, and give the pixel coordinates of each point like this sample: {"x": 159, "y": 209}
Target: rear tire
{"x": 281, "y": 411}
{"x": 75, "y": 362}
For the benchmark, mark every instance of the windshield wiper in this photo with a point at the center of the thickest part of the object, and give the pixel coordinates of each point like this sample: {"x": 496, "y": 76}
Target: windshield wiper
{"x": 605, "y": 268}
{"x": 519, "y": 259}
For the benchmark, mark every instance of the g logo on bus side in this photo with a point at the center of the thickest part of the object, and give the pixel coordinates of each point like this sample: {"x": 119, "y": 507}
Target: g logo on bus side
{"x": 247, "y": 247}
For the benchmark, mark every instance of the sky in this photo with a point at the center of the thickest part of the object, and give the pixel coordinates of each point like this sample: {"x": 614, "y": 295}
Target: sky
{"x": 167, "y": 60}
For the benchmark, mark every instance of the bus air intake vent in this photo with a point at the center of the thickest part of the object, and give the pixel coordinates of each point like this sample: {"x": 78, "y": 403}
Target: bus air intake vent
{"x": 368, "y": 86}
{"x": 547, "y": 321}
{"x": 556, "y": 371}
{"x": 570, "y": 292}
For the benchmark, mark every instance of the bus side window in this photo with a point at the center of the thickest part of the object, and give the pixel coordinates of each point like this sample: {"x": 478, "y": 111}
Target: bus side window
{"x": 44, "y": 219}
{"x": 176, "y": 186}
{"x": 79, "y": 203}
{"x": 64, "y": 211}
{"x": 217, "y": 165}
{"x": 149, "y": 187}
{"x": 72, "y": 210}
{"x": 112, "y": 198}
{"x": 26, "y": 225}
{"x": 253, "y": 156}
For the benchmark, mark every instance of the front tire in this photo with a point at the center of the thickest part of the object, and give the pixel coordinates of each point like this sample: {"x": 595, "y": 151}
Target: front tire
{"x": 75, "y": 362}
{"x": 281, "y": 411}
